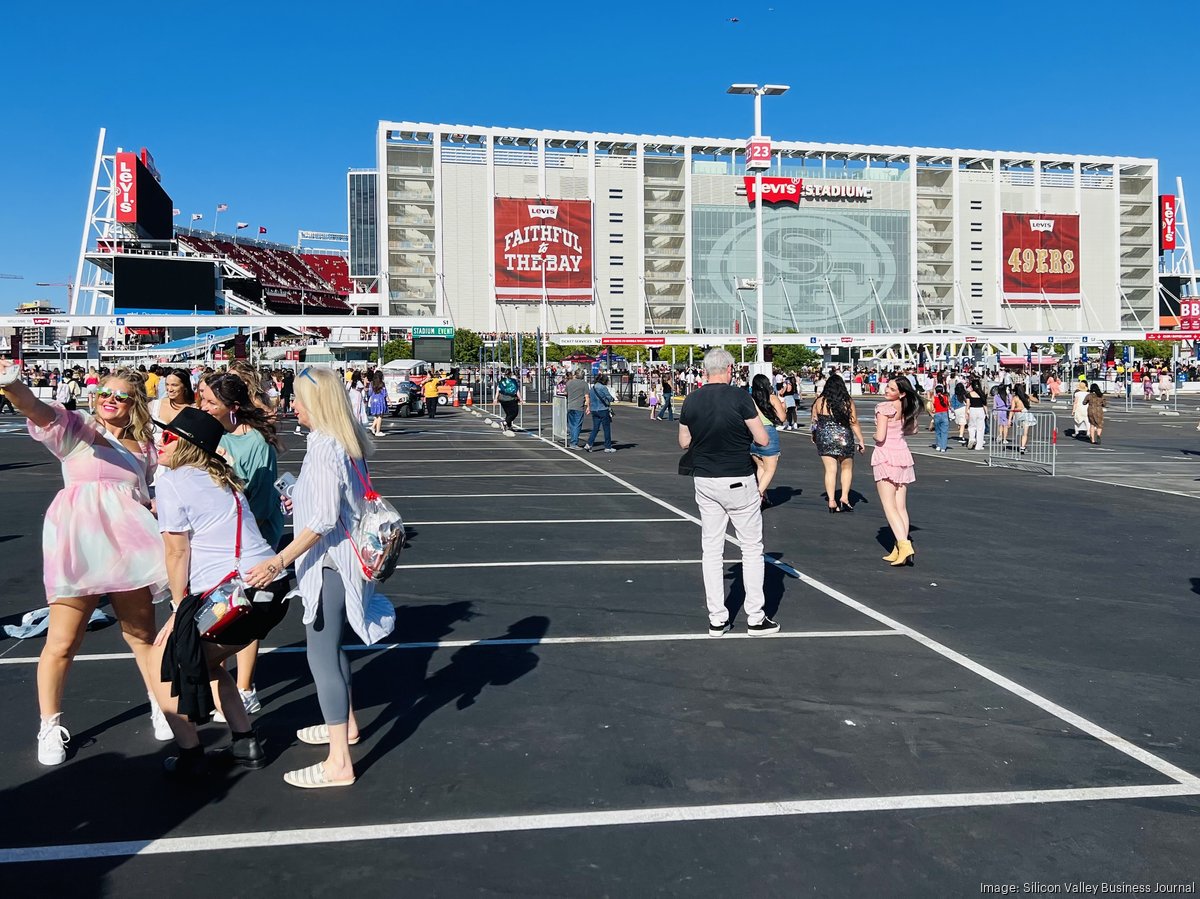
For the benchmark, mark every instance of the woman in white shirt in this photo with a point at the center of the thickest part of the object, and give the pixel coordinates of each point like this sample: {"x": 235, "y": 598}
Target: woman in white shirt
{"x": 210, "y": 534}
{"x": 328, "y": 497}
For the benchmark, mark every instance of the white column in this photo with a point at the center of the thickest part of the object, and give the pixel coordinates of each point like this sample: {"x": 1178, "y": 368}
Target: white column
{"x": 439, "y": 259}
{"x": 1077, "y": 176}
{"x": 639, "y": 278}
{"x": 913, "y": 303}
{"x": 956, "y": 253}
{"x": 382, "y": 228}
{"x": 489, "y": 156}
{"x": 591, "y": 188}
{"x": 688, "y": 323}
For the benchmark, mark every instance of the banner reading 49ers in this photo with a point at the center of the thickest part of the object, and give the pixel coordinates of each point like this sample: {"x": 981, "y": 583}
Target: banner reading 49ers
{"x": 550, "y": 239}
{"x": 1041, "y": 259}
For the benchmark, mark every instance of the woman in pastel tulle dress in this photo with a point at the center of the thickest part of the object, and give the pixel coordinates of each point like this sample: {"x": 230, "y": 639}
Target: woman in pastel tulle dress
{"x": 892, "y": 463}
{"x": 99, "y": 537}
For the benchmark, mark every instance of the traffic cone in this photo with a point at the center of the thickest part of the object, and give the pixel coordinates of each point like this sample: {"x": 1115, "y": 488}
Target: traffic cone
{"x": 456, "y": 399}
{"x": 470, "y": 397}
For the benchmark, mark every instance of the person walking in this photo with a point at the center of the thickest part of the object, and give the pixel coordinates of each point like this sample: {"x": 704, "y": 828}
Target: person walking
{"x": 1001, "y": 405}
{"x": 209, "y": 532}
{"x": 99, "y": 537}
{"x": 892, "y": 462}
{"x": 430, "y": 392}
{"x": 1022, "y": 417}
{"x": 941, "y": 418}
{"x": 666, "y": 409}
{"x": 787, "y": 393}
{"x": 1096, "y": 402}
{"x": 331, "y": 490}
{"x": 377, "y": 403}
{"x": 958, "y": 411}
{"x": 976, "y": 415}
{"x": 1079, "y": 410}
{"x": 838, "y": 436}
{"x": 652, "y": 400}
{"x": 600, "y": 401}
{"x": 771, "y": 413}
{"x": 717, "y": 425}
{"x": 577, "y": 407}
{"x": 508, "y": 395}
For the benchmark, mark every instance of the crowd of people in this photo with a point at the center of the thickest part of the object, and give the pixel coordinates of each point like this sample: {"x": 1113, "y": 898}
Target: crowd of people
{"x": 172, "y": 494}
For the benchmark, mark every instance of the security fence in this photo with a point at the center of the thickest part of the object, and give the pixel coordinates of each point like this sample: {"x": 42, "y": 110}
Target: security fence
{"x": 1027, "y": 441}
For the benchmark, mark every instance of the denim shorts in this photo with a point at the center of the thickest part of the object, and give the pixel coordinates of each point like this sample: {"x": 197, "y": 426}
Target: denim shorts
{"x": 771, "y": 449}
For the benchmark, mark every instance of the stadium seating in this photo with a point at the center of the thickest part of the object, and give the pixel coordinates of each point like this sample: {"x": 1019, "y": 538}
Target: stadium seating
{"x": 334, "y": 269}
{"x": 289, "y": 282}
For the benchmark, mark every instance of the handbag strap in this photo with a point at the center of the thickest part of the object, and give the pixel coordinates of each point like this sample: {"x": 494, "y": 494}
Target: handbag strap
{"x": 369, "y": 493}
{"x": 237, "y": 549}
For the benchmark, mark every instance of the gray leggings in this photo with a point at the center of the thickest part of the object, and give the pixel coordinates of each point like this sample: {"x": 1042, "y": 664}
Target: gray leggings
{"x": 328, "y": 663}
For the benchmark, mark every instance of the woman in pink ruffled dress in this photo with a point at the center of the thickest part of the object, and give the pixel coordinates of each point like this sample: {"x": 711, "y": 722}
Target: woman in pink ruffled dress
{"x": 99, "y": 538}
{"x": 892, "y": 463}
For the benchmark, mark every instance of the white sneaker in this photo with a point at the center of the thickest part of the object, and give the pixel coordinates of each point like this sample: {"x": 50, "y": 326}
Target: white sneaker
{"x": 510, "y": 433}
{"x": 297, "y": 429}
{"x": 162, "y": 730}
{"x": 52, "y": 741}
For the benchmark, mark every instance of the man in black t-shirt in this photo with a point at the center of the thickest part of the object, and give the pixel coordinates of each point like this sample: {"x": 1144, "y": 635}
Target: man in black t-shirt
{"x": 716, "y": 426}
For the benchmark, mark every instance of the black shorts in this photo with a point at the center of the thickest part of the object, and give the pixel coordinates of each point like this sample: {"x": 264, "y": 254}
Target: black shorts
{"x": 260, "y": 620}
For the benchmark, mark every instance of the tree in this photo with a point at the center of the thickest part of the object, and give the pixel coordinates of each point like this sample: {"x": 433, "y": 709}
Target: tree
{"x": 791, "y": 357}
{"x": 1149, "y": 349}
{"x": 467, "y": 344}
{"x": 393, "y": 349}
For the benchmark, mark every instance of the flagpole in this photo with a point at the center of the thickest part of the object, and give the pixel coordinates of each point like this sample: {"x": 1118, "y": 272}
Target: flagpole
{"x": 216, "y": 215}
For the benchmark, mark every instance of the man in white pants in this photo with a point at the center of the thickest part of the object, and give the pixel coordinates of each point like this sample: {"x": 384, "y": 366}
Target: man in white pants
{"x": 716, "y": 426}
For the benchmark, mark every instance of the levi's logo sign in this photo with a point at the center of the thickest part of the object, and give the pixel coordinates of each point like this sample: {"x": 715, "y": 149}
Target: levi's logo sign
{"x": 776, "y": 190}
{"x": 1046, "y": 225}
{"x": 543, "y": 212}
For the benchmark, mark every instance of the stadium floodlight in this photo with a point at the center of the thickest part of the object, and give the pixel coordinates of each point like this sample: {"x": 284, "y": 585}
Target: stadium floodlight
{"x": 774, "y": 90}
{"x": 742, "y": 89}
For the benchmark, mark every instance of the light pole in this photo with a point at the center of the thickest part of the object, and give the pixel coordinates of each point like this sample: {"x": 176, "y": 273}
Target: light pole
{"x": 758, "y": 91}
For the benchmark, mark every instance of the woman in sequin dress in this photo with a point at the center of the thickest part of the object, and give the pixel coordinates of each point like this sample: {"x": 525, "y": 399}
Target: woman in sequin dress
{"x": 838, "y": 437}
{"x": 892, "y": 463}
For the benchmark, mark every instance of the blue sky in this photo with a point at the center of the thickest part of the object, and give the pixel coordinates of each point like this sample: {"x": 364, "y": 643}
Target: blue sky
{"x": 264, "y": 106}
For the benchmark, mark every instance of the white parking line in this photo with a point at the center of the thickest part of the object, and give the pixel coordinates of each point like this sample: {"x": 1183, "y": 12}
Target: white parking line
{"x": 503, "y": 641}
{"x": 274, "y": 839}
{"x": 555, "y": 521}
{"x": 505, "y": 474}
{"x": 497, "y": 495}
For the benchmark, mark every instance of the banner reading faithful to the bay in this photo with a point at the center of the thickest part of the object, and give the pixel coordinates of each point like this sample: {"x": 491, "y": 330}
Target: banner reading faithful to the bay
{"x": 1041, "y": 259}
{"x": 543, "y": 248}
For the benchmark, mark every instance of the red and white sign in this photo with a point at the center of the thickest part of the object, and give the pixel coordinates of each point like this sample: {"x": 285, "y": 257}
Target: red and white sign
{"x": 758, "y": 153}
{"x": 1166, "y": 215}
{"x": 543, "y": 247}
{"x": 218, "y": 354}
{"x": 775, "y": 190}
{"x": 293, "y": 355}
{"x": 1189, "y": 315}
{"x": 125, "y": 185}
{"x": 1174, "y": 335}
{"x": 41, "y": 321}
{"x": 633, "y": 341}
{"x": 1041, "y": 259}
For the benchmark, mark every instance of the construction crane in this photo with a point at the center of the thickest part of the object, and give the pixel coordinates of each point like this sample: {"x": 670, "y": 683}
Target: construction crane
{"x": 67, "y": 284}
{"x": 12, "y": 277}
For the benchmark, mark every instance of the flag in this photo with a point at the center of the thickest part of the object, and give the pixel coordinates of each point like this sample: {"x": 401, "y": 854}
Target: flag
{"x": 196, "y": 216}
{"x": 174, "y": 212}
{"x": 241, "y": 225}
{"x": 262, "y": 230}
{"x": 222, "y": 207}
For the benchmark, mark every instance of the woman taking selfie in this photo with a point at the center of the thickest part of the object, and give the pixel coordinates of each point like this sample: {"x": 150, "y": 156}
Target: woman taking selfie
{"x": 892, "y": 462}
{"x": 99, "y": 537}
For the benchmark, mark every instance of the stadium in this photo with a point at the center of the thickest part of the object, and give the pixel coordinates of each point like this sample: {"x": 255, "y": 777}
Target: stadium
{"x": 857, "y": 239}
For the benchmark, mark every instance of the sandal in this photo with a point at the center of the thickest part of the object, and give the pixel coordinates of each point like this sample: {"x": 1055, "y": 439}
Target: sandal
{"x": 313, "y": 778}
{"x": 318, "y": 735}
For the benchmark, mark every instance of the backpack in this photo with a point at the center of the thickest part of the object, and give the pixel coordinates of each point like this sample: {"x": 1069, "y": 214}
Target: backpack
{"x": 377, "y": 535}
{"x": 509, "y": 387}
{"x": 64, "y": 391}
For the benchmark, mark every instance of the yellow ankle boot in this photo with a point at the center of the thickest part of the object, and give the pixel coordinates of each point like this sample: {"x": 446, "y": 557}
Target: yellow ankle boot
{"x": 904, "y": 554}
{"x": 891, "y": 557}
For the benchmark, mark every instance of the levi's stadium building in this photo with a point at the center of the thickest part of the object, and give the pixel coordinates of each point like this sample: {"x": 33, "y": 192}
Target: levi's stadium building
{"x": 504, "y": 229}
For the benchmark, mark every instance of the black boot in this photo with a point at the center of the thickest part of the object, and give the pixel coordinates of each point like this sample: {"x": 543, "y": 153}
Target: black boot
{"x": 189, "y": 765}
{"x": 247, "y": 751}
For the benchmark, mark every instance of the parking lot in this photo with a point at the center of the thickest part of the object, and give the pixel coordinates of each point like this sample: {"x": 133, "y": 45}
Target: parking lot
{"x": 553, "y": 719}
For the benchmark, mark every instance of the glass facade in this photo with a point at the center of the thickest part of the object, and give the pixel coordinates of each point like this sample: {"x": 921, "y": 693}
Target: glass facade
{"x": 826, "y": 270}
{"x": 363, "y": 250}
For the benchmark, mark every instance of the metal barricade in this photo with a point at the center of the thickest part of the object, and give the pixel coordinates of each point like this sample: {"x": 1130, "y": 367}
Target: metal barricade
{"x": 1025, "y": 443}
{"x": 558, "y": 422}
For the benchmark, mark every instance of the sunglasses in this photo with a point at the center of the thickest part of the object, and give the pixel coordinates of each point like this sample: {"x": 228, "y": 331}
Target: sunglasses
{"x": 119, "y": 395}
{"x": 169, "y": 437}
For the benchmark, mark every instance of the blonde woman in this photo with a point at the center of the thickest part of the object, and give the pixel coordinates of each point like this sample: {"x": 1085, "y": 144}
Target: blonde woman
{"x": 328, "y": 496}
{"x": 99, "y": 537}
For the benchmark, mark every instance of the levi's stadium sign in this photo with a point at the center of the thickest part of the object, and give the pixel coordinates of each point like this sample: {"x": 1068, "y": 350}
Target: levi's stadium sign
{"x": 793, "y": 190}
{"x": 543, "y": 250}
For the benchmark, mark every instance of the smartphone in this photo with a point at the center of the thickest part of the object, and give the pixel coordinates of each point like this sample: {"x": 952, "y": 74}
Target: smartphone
{"x": 284, "y": 483}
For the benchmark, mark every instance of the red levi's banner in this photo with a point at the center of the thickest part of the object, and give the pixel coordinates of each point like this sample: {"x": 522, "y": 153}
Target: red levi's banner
{"x": 1166, "y": 215}
{"x": 775, "y": 190}
{"x": 1189, "y": 315}
{"x": 1041, "y": 259}
{"x": 543, "y": 239}
{"x": 125, "y": 185}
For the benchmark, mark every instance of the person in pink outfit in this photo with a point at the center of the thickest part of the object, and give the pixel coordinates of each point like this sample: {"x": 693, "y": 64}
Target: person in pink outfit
{"x": 892, "y": 463}
{"x": 99, "y": 537}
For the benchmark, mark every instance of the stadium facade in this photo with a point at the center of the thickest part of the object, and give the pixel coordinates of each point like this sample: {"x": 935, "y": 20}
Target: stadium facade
{"x": 506, "y": 229}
